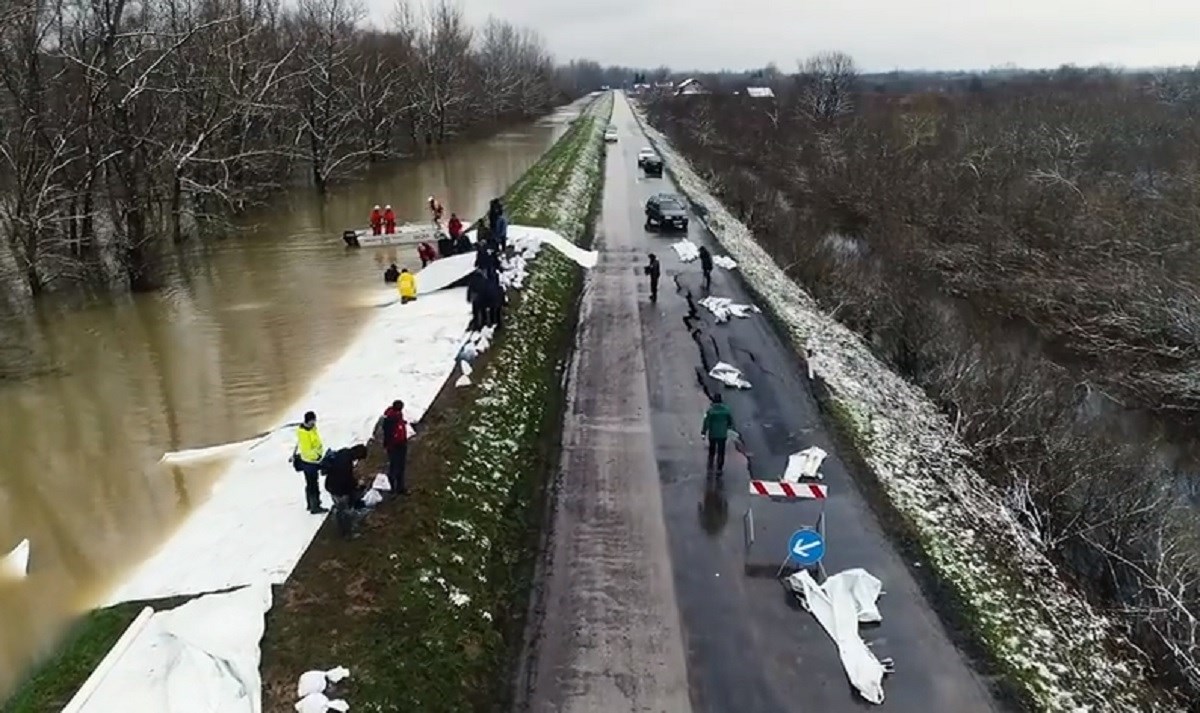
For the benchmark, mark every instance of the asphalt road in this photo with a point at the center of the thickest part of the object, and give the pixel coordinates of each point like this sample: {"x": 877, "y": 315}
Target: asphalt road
{"x": 649, "y": 599}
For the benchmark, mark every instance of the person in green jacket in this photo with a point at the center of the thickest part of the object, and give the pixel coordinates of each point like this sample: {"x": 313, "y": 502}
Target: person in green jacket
{"x": 717, "y": 423}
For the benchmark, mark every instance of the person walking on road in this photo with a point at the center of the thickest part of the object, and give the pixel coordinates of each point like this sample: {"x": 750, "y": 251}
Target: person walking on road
{"x": 653, "y": 271}
{"x": 342, "y": 485}
{"x": 310, "y": 452}
{"x": 718, "y": 421}
{"x": 706, "y": 265}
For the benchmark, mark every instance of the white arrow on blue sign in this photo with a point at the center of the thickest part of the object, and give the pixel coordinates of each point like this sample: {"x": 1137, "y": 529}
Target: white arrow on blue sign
{"x": 806, "y": 547}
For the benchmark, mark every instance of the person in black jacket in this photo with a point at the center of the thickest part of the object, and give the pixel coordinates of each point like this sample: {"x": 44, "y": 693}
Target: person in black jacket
{"x": 477, "y": 289}
{"x": 495, "y": 210}
{"x": 653, "y": 271}
{"x": 391, "y": 274}
{"x": 706, "y": 265}
{"x": 341, "y": 483}
{"x": 495, "y": 300}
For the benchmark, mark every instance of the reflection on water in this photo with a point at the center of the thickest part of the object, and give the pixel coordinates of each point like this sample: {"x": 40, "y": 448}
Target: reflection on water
{"x": 91, "y": 397}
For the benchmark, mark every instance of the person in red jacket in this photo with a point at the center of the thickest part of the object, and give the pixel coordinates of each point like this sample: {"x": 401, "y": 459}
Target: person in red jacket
{"x": 395, "y": 439}
{"x": 376, "y": 221}
{"x": 455, "y": 225}
{"x": 426, "y": 253}
{"x": 389, "y": 220}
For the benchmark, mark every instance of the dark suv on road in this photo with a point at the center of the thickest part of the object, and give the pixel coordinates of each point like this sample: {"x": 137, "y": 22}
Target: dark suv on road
{"x": 666, "y": 212}
{"x": 652, "y": 165}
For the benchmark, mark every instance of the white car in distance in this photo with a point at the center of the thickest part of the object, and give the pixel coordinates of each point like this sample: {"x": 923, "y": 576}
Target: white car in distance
{"x": 610, "y": 134}
{"x": 644, "y": 154}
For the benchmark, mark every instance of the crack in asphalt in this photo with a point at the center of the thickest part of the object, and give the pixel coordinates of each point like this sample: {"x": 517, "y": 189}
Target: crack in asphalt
{"x": 695, "y": 326}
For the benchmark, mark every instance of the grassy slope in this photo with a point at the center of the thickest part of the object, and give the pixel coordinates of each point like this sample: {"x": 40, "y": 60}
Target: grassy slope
{"x": 358, "y": 603}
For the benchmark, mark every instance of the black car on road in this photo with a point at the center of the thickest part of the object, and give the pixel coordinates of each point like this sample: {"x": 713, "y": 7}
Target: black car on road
{"x": 652, "y": 165}
{"x": 666, "y": 212}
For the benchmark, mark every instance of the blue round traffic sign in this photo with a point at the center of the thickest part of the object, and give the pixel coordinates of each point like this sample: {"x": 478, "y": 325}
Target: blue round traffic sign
{"x": 806, "y": 547}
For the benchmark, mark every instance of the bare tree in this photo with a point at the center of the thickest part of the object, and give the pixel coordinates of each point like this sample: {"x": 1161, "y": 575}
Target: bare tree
{"x": 826, "y": 83}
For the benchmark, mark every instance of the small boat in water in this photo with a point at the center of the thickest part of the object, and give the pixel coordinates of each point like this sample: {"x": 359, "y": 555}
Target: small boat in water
{"x": 406, "y": 234}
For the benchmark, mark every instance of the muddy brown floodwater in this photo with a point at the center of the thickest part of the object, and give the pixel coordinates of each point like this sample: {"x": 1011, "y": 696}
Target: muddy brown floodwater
{"x": 92, "y": 395}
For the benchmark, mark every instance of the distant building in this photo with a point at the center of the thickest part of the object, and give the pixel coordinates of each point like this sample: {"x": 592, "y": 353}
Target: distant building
{"x": 690, "y": 87}
{"x": 760, "y": 93}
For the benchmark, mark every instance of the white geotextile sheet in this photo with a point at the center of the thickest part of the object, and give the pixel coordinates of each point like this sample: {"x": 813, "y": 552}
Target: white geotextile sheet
{"x": 804, "y": 465}
{"x": 15, "y": 564}
{"x": 255, "y": 526}
{"x": 729, "y": 375}
{"x": 723, "y": 308}
{"x": 688, "y": 251}
{"x": 843, "y": 602}
{"x": 444, "y": 271}
{"x": 201, "y": 657}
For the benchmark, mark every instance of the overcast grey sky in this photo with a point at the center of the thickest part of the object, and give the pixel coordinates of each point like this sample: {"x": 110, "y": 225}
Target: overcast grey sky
{"x": 879, "y": 34}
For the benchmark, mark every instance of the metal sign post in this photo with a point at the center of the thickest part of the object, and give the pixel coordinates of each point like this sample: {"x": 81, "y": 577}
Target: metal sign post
{"x": 807, "y": 546}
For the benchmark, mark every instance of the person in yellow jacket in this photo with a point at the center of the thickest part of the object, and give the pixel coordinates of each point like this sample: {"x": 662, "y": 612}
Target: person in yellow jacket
{"x": 407, "y": 286}
{"x": 309, "y": 454}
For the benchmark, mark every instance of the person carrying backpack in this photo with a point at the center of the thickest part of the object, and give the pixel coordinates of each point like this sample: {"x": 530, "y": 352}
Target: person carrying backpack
{"x": 307, "y": 458}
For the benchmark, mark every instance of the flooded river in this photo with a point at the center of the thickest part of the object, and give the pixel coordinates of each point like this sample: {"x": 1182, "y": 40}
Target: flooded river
{"x": 93, "y": 394}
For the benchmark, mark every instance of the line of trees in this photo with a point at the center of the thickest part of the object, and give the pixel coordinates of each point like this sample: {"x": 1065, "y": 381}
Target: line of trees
{"x": 126, "y": 125}
{"x": 1026, "y": 249}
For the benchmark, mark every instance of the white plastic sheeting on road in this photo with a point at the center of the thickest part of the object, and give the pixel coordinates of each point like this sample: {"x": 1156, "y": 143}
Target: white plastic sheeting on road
{"x": 201, "y": 657}
{"x": 686, "y": 250}
{"x": 804, "y": 465}
{"x": 255, "y": 525}
{"x": 845, "y": 600}
{"x": 723, "y": 308}
{"x": 15, "y": 564}
{"x": 729, "y": 375}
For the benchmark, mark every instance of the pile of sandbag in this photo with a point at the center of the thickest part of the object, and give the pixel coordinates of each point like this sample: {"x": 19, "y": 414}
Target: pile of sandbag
{"x": 314, "y": 691}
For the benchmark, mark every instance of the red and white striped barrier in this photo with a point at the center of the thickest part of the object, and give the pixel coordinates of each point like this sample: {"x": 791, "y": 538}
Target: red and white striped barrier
{"x": 790, "y": 491}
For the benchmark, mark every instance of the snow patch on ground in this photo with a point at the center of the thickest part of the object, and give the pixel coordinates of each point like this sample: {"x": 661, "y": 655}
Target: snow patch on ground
{"x": 1053, "y": 643}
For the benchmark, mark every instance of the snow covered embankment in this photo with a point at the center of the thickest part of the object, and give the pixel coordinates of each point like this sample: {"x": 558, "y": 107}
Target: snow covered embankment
{"x": 1054, "y": 645}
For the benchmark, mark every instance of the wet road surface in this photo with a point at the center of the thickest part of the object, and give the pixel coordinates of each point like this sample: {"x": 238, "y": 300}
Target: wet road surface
{"x": 601, "y": 640}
